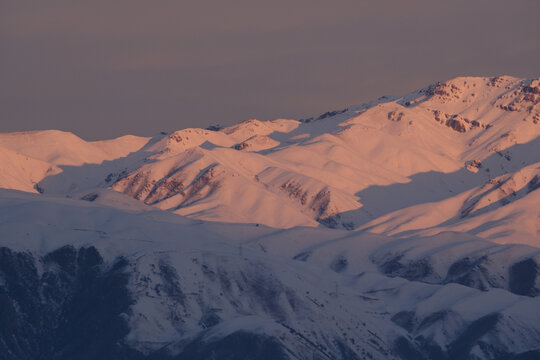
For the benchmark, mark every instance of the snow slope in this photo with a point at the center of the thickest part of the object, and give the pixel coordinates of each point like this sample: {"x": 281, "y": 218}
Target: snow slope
{"x": 164, "y": 286}
{"x": 28, "y": 157}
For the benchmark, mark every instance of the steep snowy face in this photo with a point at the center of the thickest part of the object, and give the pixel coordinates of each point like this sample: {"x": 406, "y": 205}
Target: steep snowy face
{"x": 432, "y": 160}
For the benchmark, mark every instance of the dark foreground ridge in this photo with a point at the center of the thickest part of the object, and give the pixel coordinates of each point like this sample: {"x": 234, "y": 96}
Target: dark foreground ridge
{"x": 71, "y": 304}
{"x": 78, "y": 309}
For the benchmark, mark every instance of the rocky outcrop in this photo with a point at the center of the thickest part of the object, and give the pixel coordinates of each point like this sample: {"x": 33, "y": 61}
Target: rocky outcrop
{"x": 482, "y": 270}
{"x": 319, "y": 204}
{"x": 456, "y": 122}
{"x": 72, "y": 309}
{"x": 525, "y": 98}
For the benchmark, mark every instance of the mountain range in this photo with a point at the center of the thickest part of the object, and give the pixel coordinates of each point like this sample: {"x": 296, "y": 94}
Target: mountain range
{"x": 404, "y": 228}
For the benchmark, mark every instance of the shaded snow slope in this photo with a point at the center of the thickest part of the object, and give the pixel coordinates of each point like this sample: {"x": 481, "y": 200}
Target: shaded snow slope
{"x": 86, "y": 279}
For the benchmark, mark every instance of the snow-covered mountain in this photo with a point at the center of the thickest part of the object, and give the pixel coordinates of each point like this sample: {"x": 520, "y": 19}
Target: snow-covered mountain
{"x": 405, "y": 228}
{"x": 456, "y": 156}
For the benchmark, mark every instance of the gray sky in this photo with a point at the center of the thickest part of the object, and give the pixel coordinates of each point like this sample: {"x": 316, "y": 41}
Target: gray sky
{"x": 105, "y": 68}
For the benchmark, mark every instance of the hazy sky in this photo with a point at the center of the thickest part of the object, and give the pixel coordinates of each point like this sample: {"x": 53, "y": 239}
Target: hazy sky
{"x": 107, "y": 68}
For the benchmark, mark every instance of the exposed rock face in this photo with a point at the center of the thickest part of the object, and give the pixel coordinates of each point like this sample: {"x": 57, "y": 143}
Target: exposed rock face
{"x": 460, "y": 348}
{"x": 448, "y": 91}
{"x": 443, "y": 89}
{"x": 473, "y": 165}
{"x": 523, "y": 277}
{"x": 295, "y": 191}
{"x": 325, "y": 115}
{"x": 319, "y": 203}
{"x": 256, "y": 143}
{"x": 325, "y": 213}
{"x": 72, "y": 304}
{"x": 242, "y": 146}
{"x": 137, "y": 185}
{"x": 497, "y": 81}
{"x": 483, "y": 270}
{"x": 73, "y": 309}
{"x": 204, "y": 185}
{"x": 147, "y": 186}
{"x": 164, "y": 189}
{"x": 394, "y": 116}
{"x": 79, "y": 307}
{"x": 525, "y": 97}
{"x": 440, "y": 116}
{"x": 458, "y": 123}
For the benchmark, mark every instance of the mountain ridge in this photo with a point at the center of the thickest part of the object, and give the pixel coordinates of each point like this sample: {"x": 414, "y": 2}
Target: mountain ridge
{"x": 330, "y": 170}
